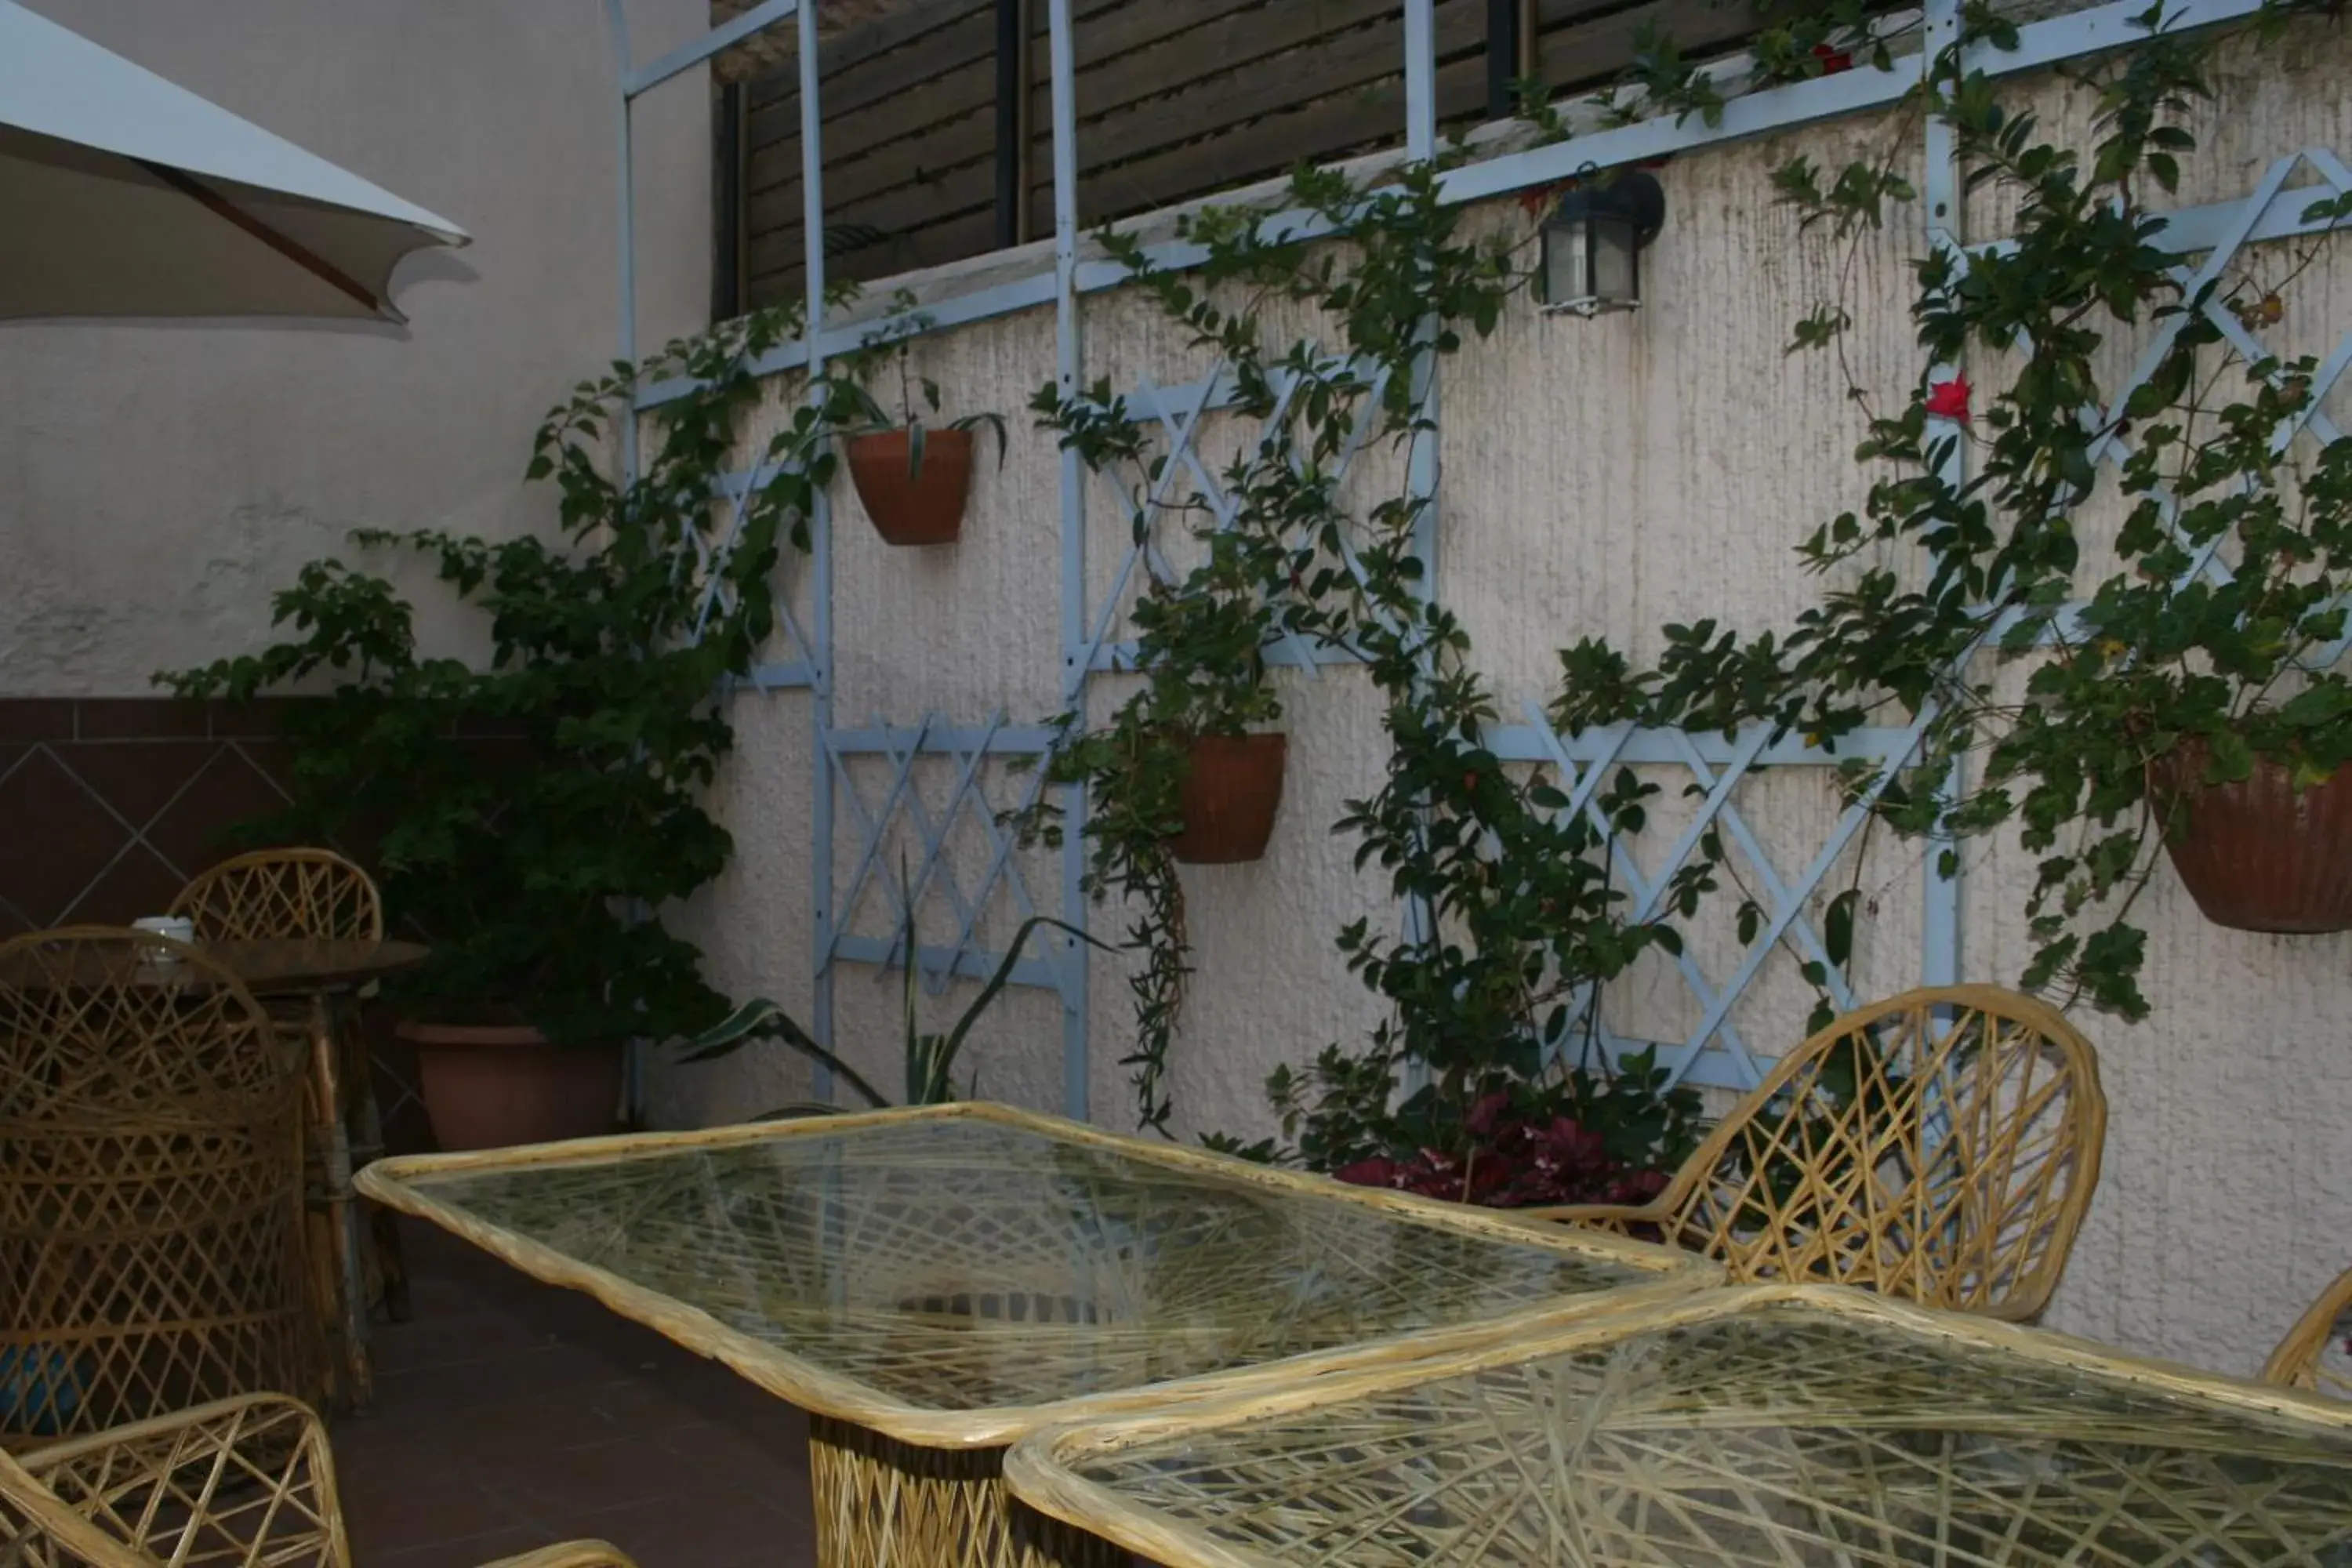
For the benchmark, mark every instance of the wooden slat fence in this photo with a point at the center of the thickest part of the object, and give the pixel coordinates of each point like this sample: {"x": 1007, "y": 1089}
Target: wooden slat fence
{"x": 1176, "y": 99}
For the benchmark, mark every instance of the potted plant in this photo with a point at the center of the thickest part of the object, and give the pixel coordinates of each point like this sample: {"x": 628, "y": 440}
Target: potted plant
{"x": 1230, "y": 796}
{"x": 516, "y": 815}
{"x": 2260, "y": 837}
{"x": 526, "y": 815}
{"x": 912, "y": 478}
{"x": 2208, "y": 712}
{"x": 1186, "y": 770}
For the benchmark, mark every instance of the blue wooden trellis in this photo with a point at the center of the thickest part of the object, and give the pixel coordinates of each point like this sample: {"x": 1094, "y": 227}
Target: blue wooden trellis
{"x": 1713, "y": 1051}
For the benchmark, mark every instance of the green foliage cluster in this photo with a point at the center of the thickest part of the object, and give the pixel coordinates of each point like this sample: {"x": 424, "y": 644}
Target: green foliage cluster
{"x": 527, "y": 815}
{"x": 1960, "y": 598}
{"x": 1514, "y": 920}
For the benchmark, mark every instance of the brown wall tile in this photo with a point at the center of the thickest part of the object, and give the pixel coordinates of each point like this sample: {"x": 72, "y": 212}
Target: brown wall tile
{"x": 141, "y": 718}
{"x": 36, "y": 719}
{"x": 108, "y": 805}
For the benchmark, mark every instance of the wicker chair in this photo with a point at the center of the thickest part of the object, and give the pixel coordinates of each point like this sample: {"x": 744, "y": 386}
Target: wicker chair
{"x": 2316, "y": 1353}
{"x": 288, "y": 894}
{"x": 1940, "y": 1146}
{"x": 150, "y": 1187}
{"x": 274, "y": 894}
{"x": 241, "y": 1483}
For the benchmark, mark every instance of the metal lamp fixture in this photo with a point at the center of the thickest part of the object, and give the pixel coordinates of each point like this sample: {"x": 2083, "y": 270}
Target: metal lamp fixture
{"x": 1592, "y": 244}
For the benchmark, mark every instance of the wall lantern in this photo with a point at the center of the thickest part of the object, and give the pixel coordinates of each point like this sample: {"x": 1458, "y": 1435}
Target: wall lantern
{"x": 1592, "y": 244}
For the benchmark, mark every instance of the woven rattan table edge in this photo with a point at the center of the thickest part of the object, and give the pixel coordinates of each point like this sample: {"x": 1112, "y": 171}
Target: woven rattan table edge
{"x": 1039, "y": 1469}
{"x": 1499, "y": 1223}
{"x": 1676, "y": 1275}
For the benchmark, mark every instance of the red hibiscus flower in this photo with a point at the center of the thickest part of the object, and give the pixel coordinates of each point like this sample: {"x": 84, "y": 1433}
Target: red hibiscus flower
{"x": 1949, "y": 400}
{"x": 1537, "y": 200}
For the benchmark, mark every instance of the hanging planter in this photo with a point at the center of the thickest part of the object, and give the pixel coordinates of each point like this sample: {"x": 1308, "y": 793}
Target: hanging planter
{"x": 1233, "y": 787}
{"x": 912, "y": 475}
{"x": 2258, "y": 854}
{"x": 914, "y": 495}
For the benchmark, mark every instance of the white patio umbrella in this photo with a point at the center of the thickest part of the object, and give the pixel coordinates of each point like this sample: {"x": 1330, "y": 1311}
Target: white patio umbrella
{"x": 122, "y": 194}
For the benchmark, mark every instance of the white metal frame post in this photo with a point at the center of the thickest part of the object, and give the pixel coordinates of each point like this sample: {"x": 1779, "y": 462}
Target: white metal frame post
{"x": 1947, "y": 204}
{"x": 1069, "y": 346}
{"x": 821, "y": 552}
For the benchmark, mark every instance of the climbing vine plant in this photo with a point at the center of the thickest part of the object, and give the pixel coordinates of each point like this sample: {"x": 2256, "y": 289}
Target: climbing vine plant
{"x": 1516, "y": 919}
{"x": 2084, "y": 715}
{"x": 1950, "y": 596}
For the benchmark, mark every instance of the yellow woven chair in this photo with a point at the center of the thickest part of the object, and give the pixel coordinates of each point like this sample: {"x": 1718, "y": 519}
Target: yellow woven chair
{"x": 1940, "y": 1146}
{"x": 288, "y": 895}
{"x": 277, "y": 893}
{"x": 240, "y": 1483}
{"x": 2316, "y": 1353}
{"x": 150, "y": 1200}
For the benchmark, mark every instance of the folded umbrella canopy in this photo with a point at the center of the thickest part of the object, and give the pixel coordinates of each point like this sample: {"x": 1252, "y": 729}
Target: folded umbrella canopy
{"x": 122, "y": 194}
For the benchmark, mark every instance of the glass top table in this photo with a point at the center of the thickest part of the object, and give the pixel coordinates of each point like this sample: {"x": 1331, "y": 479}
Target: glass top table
{"x": 932, "y": 1284}
{"x": 1786, "y": 1426}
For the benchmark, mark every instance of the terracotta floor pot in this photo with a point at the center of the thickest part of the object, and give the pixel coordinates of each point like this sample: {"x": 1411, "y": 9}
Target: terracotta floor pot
{"x": 2258, "y": 855}
{"x": 492, "y": 1088}
{"x": 924, "y": 508}
{"x": 1231, "y": 795}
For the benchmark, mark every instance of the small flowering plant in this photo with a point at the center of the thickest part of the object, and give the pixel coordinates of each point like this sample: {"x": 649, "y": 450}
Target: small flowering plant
{"x": 1515, "y": 1160}
{"x": 1504, "y": 1140}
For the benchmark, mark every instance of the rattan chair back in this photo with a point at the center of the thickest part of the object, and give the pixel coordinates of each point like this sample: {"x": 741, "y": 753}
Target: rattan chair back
{"x": 238, "y": 1483}
{"x": 150, "y": 1186}
{"x": 2316, "y": 1353}
{"x": 245, "y": 1482}
{"x": 276, "y": 893}
{"x": 37, "y": 1530}
{"x": 1940, "y": 1146}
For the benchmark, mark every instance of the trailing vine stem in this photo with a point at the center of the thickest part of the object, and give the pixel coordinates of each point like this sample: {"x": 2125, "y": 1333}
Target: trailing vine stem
{"x": 1522, "y": 918}
{"x": 1199, "y": 645}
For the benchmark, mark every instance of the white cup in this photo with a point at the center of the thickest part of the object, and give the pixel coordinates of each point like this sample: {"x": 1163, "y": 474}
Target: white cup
{"x": 176, "y": 927}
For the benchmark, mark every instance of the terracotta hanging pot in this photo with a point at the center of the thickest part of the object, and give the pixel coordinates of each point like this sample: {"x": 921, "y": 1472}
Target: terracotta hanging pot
{"x": 494, "y": 1087}
{"x": 910, "y": 506}
{"x": 2260, "y": 853}
{"x": 1231, "y": 793}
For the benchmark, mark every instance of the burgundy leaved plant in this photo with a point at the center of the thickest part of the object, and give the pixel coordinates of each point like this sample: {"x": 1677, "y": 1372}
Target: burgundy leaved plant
{"x": 1513, "y": 1163}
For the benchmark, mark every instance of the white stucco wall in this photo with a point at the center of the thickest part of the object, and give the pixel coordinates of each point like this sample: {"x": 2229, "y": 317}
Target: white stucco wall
{"x": 1604, "y": 477}
{"x": 157, "y": 482}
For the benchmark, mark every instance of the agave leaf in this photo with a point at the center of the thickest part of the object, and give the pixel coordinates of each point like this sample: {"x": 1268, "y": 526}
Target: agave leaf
{"x": 791, "y": 1110}
{"x": 952, "y": 1044}
{"x": 995, "y": 422}
{"x": 764, "y": 1019}
{"x": 730, "y": 1034}
{"x": 916, "y": 1054}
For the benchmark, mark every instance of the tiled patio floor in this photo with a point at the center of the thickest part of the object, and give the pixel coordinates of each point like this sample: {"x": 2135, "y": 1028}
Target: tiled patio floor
{"x": 511, "y": 1416}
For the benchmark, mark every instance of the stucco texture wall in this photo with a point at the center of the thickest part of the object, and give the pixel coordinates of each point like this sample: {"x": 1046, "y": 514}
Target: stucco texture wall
{"x": 1604, "y": 477}
{"x": 159, "y": 481}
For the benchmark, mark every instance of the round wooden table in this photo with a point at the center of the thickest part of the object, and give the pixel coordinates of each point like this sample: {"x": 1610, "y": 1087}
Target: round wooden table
{"x": 316, "y": 970}
{"x": 302, "y": 966}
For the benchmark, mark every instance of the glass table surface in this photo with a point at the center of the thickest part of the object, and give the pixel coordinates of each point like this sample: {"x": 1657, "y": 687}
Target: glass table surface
{"x": 1780, "y": 1426}
{"x": 981, "y": 1264}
